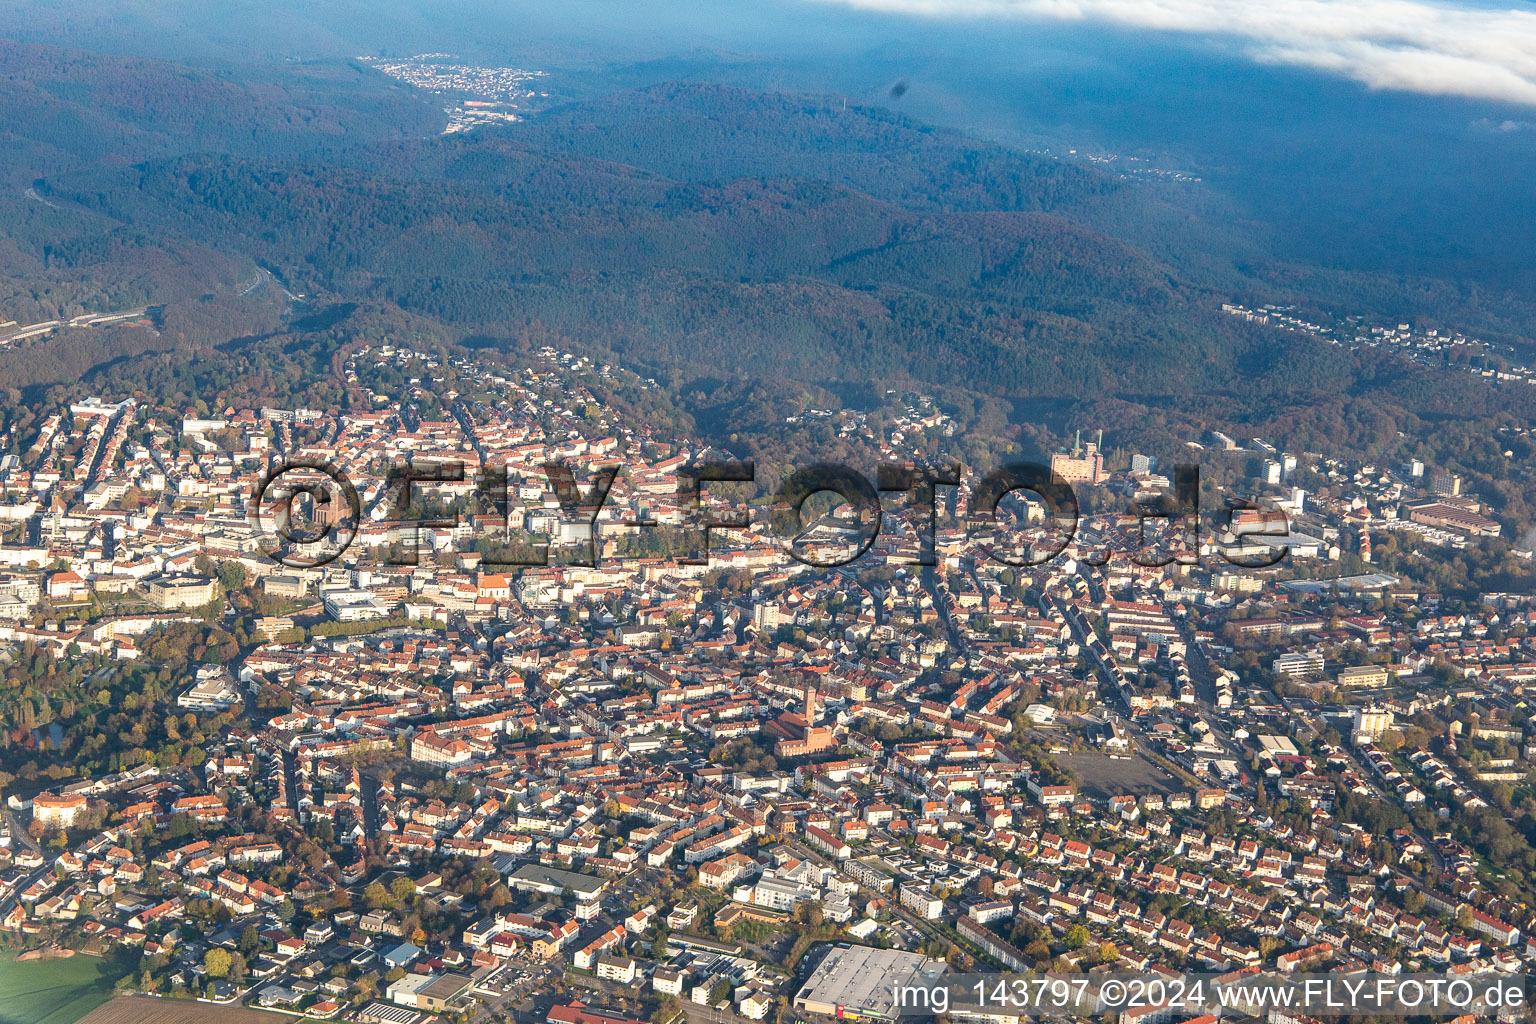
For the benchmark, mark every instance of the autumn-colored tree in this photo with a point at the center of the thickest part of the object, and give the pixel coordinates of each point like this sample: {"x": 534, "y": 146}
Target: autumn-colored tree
{"x": 376, "y": 896}
{"x": 217, "y": 962}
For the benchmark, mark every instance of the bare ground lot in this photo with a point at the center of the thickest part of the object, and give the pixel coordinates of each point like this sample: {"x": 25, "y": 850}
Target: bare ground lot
{"x": 149, "y": 1010}
{"x": 1100, "y": 776}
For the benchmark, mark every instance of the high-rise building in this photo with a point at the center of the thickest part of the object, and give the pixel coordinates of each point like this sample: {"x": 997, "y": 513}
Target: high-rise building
{"x": 54, "y": 810}
{"x": 1084, "y": 464}
{"x": 1447, "y": 485}
{"x": 1080, "y": 465}
{"x": 1371, "y": 724}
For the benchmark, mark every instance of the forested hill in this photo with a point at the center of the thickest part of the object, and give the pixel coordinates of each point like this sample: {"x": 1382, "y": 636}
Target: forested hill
{"x": 71, "y": 113}
{"x": 696, "y": 232}
{"x": 714, "y": 133}
{"x": 704, "y": 132}
{"x": 64, "y": 109}
{"x": 706, "y": 230}
{"x": 778, "y": 275}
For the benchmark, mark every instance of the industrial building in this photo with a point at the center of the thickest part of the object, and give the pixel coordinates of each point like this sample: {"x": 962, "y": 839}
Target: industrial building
{"x": 862, "y": 981}
{"x": 547, "y": 881}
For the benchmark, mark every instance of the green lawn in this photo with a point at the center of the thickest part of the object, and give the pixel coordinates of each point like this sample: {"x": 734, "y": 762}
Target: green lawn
{"x": 51, "y": 991}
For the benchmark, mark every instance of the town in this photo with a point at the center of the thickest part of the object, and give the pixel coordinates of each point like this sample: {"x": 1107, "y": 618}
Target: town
{"x": 1430, "y": 345}
{"x": 443, "y": 778}
{"x": 482, "y": 95}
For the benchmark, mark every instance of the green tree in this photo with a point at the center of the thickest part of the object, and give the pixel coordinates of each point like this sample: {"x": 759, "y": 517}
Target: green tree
{"x": 376, "y": 896}
{"x": 232, "y": 576}
{"x": 217, "y": 962}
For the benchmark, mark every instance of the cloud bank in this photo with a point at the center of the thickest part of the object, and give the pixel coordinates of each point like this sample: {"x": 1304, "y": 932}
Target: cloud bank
{"x": 1411, "y": 45}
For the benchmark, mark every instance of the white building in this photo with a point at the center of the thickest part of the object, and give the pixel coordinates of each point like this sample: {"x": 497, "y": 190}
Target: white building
{"x": 353, "y": 606}
{"x": 1370, "y": 724}
{"x": 921, "y": 902}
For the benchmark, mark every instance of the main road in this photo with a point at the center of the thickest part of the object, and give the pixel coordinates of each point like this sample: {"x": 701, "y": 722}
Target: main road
{"x": 20, "y": 835}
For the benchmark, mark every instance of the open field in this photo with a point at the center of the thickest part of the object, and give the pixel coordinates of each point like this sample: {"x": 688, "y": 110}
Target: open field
{"x": 52, "y": 991}
{"x": 149, "y": 1010}
{"x": 1101, "y": 776}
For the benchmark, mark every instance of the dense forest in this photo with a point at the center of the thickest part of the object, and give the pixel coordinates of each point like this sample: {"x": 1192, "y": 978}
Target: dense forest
{"x": 754, "y": 252}
{"x": 813, "y": 280}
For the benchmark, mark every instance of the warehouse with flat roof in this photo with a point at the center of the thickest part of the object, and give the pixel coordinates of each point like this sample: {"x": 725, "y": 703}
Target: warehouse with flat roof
{"x": 550, "y": 881}
{"x": 862, "y": 981}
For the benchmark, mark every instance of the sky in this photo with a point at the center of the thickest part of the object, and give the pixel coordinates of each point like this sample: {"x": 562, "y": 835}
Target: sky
{"x": 1432, "y": 48}
{"x": 1427, "y": 46}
